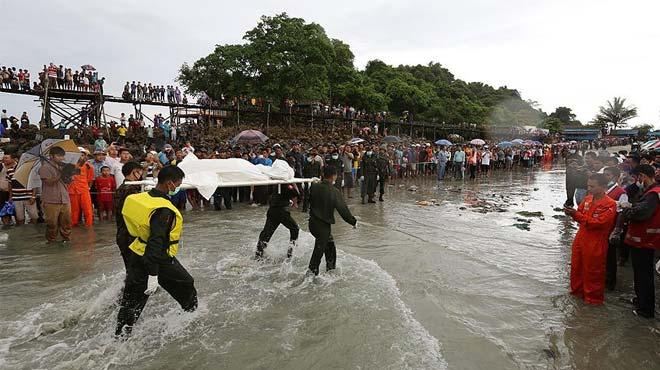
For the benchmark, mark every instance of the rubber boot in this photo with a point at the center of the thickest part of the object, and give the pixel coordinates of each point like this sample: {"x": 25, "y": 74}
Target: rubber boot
{"x": 289, "y": 251}
{"x": 380, "y": 198}
{"x": 261, "y": 245}
{"x": 371, "y": 199}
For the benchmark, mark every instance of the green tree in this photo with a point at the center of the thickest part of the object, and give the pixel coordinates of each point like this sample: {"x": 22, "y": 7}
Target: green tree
{"x": 643, "y": 130}
{"x": 616, "y": 113}
{"x": 553, "y": 124}
{"x": 564, "y": 114}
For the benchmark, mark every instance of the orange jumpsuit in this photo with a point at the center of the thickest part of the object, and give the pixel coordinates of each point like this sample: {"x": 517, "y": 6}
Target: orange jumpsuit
{"x": 81, "y": 200}
{"x": 589, "y": 250}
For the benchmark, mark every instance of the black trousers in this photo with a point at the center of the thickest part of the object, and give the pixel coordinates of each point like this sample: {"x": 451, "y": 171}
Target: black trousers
{"x": 643, "y": 273}
{"x": 274, "y": 217}
{"x": 370, "y": 184}
{"x": 381, "y": 185}
{"x": 324, "y": 245}
{"x": 123, "y": 241}
{"x": 473, "y": 171}
{"x": 306, "y": 187}
{"x": 222, "y": 195}
{"x": 171, "y": 276}
{"x": 611, "y": 266}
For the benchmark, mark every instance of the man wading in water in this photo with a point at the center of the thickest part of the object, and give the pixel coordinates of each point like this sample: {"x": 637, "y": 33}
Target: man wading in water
{"x": 156, "y": 225}
{"x": 278, "y": 213}
{"x": 324, "y": 199}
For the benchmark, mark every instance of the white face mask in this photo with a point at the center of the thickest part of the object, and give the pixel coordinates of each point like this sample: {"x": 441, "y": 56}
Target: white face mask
{"x": 335, "y": 156}
{"x": 572, "y": 151}
{"x": 370, "y": 153}
{"x": 640, "y": 184}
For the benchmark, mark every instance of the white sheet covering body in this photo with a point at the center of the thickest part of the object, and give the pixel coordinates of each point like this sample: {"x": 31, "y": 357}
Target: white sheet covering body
{"x": 207, "y": 174}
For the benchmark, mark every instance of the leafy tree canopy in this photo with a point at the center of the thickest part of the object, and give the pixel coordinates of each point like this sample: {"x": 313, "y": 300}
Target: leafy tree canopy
{"x": 287, "y": 58}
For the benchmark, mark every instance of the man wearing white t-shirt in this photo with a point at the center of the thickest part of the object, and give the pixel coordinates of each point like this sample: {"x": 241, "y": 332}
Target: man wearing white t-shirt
{"x": 485, "y": 161}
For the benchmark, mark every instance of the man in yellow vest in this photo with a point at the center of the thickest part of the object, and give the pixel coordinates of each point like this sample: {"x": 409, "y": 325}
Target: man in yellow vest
{"x": 156, "y": 225}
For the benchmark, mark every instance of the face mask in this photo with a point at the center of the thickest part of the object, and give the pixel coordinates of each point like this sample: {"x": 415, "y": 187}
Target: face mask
{"x": 309, "y": 159}
{"x": 174, "y": 192}
{"x": 335, "y": 156}
{"x": 572, "y": 151}
{"x": 370, "y": 153}
{"x": 640, "y": 185}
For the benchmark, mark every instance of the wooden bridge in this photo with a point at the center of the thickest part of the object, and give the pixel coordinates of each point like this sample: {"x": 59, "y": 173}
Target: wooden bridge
{"x": 82, "y": 108}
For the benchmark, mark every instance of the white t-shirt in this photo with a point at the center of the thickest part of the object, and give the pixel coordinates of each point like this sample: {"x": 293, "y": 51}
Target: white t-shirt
{"x": 485, "y": 158}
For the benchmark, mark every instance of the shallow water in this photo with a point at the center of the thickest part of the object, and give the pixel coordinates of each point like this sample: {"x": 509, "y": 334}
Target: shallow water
{"x": 454, "y": 286}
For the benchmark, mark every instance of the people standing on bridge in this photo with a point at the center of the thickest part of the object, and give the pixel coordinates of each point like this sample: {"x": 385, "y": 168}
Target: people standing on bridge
{"x": 156, "y": 225}
{"x": 177, "y": 95}
{"x": 324, "y": 200}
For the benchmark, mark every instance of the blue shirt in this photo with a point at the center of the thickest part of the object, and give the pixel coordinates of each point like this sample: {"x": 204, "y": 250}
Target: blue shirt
{"x": 263, "y": 161}
{"x": 459, "y": 156}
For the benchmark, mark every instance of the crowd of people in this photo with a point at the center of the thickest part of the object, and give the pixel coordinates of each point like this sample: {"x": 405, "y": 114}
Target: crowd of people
{"x": 616, "y": 193}
{"x": 53, "y": 77}
{"x": 619, "y": 218}
{"x": 153, "y": 93}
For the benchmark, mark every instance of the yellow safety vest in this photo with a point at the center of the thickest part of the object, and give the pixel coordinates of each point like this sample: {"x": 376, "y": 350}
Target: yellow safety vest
{"x": 137, "y": 212}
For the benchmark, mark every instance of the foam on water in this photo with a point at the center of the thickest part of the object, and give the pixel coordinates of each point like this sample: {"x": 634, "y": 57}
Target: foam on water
{"x": 250, "y": 314}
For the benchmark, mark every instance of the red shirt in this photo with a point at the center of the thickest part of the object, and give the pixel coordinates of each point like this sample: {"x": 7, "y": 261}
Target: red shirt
{"x": 105, "y": 187}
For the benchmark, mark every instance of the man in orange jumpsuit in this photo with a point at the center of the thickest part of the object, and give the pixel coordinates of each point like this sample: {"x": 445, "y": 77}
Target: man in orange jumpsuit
{"x": 596, "y": 216}
{"x": 81, "y": 200}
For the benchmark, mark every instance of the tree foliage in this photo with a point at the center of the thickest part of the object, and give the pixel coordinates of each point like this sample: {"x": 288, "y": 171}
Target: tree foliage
{"x": 615, "y": 113}
{"x": 287, "y": 58}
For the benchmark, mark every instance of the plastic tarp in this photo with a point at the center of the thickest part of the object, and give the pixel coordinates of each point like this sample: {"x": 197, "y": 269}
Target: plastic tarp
{"x": 207, "y": 174}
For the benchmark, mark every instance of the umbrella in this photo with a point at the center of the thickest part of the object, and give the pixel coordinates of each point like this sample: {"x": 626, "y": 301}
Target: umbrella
{"x": 528, "y": 142}
{"x": 477, "y": 142}
{"x": 250, "y": 137}
{"x": 455, "y": 137}
{"x": 537, "y": 142}
{"x": 27, "y": 170}
{"x": 517, "y": 141}
{"x": 88, "y": 67}
{"x": 505, "y": 144}
{"x": 356, "y": 140}
{"x": 392, "y": 139}
{"x": 443, "y": 142}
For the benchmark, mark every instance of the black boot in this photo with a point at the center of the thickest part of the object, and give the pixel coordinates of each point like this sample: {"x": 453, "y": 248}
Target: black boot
{"x": 363, "y": 200}
{"x": 380, "y": 198}
{"x": 371, "y": 200}
{"x": 261, "y": 245}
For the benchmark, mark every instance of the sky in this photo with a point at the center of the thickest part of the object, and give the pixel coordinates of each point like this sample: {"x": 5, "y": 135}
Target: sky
{"x": 577, "y": 53}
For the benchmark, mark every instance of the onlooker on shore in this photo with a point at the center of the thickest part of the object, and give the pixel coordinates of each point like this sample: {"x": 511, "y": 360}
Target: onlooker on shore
{"x": 55, "y": 197}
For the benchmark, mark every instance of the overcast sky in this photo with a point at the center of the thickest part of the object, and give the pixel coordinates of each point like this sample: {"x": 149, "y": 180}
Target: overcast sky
{"x": 575, "y": 53}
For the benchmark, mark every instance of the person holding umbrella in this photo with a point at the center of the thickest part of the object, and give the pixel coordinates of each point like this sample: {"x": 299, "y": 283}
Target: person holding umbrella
{"x": 55, "y": 196}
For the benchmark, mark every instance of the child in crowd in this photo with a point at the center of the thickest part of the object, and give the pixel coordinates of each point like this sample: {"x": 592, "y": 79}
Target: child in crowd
{"x": 105, "y": 187}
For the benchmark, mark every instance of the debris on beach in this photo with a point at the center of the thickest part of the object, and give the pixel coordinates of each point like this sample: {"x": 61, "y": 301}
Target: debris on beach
{"x": 538, "y": 214}
{"x": 522, "y": 226}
